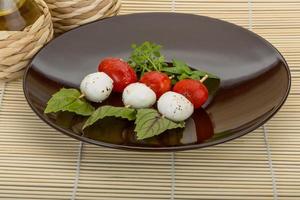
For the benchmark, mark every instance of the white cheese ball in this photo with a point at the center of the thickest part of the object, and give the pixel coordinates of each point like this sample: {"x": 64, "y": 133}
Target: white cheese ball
{"x": 138, "y": 95}
{"x": 174, "y": 106}
{"x": 96, "y": 87}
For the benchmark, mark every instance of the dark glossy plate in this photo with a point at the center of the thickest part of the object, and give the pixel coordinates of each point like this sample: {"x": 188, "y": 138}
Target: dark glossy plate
{"x": 255, "y": 79}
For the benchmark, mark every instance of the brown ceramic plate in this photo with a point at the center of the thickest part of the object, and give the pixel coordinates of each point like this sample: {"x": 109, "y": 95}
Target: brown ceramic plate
{"x": 255, "y": 79}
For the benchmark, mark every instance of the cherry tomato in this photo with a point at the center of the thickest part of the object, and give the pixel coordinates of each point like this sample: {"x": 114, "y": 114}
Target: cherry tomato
{"x": 159, "y": 82}
{"x": 119, "y": 71}
{"x": 193, "y": 90}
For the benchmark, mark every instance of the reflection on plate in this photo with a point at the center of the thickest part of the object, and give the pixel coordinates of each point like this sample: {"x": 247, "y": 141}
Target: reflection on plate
{"x": 119, "y": 131}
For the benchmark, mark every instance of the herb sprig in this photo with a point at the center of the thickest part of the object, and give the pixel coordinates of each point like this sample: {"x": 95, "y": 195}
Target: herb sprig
{"x": 181, "y": 70}
{"x": 147, "y": 57}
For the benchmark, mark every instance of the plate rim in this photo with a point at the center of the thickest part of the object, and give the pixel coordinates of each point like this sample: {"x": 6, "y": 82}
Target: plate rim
{"x": 160, "y": 149}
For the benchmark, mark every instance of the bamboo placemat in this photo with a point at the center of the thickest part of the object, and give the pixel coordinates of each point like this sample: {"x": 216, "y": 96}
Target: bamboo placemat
{"x": 37, "y": 162}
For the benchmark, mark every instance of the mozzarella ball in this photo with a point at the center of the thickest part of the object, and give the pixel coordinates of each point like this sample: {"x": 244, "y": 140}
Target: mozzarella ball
{"x": 138, "y": 95}
{"x": 175, "y": 106}
{"x": 96, "y": 87}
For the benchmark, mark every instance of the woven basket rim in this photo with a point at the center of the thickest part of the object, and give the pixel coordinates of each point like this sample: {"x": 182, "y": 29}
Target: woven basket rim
{"x": 18, "y": 47}
{"x": 67, "y": 14}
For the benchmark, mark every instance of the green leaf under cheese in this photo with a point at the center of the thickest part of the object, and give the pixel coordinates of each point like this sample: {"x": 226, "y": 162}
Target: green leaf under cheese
{"x": 68, "y": 100}
{"x": 110, "y": 111}
{"x": 150, "y": 123}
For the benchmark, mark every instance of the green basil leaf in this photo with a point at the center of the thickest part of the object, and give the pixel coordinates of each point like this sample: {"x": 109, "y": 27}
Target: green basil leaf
{"x": 68, "y": 100}
{"x": 110, "y": 111}
{"x": 199, "y": 74}
{"x": 171, "y": 70}
{"x": 203, "y": 73}
{"x": 181, "y": 66}
{"x": 80, "y": 107}
{"x": 150, "y": 123}
{"x": 183, "y": 76}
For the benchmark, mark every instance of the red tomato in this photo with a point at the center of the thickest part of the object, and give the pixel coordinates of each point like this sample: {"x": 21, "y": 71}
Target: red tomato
{"x": 119, "y": 71}
{"x": 193, "y": 90}
{"x": 157, "y": 81}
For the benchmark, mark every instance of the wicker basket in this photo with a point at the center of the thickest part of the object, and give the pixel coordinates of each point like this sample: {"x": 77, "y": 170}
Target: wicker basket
{"x": 18, "y": 47}
{"x": 68, "y": 14}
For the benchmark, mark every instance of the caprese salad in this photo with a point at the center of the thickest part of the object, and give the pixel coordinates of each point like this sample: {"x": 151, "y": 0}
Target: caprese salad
{"x": 156, "y": 95}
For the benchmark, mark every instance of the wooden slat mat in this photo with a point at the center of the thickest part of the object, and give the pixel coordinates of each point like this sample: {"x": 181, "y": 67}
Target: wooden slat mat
{"x": 37, "y": 162}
